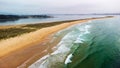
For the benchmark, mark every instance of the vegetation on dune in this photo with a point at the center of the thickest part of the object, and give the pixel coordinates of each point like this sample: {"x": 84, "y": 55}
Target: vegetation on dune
{"x": 15, "y": 31}
{"x": 12, "y": 32}
{"x": 42, "y": 25}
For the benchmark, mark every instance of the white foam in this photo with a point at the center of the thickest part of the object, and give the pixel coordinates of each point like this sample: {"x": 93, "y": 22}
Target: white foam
{"x": 65, "y": 43}
{"x": 68, "y": 59}
{"x": 84, "y": 30}
{"x": 79, "y": 40}
{"x": 61, "y": 49}
{"x": 37, "y": 63}
{"x": 87, "y": 27}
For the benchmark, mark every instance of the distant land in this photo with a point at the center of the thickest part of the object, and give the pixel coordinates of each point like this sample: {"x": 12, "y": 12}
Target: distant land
{"x": 95, "y": 14}
{"x": 106, "y": 14}
{"x": 11, "y": 17}
{"x": 4, "y": 18}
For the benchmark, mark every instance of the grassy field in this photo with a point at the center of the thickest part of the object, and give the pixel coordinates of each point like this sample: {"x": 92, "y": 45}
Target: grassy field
{"x": 16, "y": 31}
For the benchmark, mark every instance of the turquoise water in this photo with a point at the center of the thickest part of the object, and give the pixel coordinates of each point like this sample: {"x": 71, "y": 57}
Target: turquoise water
{"x": 100, "y": 48}
{"x": 95, "y": 44}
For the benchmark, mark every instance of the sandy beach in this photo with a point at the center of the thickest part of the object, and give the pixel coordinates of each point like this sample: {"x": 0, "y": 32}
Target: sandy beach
{"x": 27, "y": 48}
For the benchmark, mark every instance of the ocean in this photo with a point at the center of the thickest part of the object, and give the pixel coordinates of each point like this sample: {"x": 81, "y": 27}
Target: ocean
{"x": 93, "y": 44}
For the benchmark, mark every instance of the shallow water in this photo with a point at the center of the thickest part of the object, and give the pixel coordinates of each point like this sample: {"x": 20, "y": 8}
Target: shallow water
{"x": 95, "y": 44}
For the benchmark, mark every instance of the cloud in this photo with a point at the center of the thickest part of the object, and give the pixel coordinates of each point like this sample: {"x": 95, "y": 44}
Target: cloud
{"x": 60, "y": 6}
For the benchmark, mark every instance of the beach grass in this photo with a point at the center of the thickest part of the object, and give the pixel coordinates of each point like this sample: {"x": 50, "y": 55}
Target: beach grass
{"x": 12, "y": 32}
{"x": 16, "y": 31}
{"x": 42, "y": 25}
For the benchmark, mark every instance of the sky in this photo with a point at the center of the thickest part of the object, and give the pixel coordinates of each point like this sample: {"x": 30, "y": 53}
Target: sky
{"x": 59, "y": 6}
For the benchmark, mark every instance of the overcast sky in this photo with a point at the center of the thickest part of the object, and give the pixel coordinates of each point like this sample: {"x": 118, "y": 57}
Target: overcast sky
{"x": 59, "y": 6}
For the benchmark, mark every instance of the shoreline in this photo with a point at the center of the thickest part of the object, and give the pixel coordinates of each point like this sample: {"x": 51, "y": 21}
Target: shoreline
{"x": 16, "y": 47}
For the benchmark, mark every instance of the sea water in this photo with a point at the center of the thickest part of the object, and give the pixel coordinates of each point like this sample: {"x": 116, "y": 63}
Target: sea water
{"x": 94, "y": 44}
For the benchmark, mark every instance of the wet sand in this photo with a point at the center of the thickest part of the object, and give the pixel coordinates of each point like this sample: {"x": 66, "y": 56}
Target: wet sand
{"x": 27, "y": 48}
